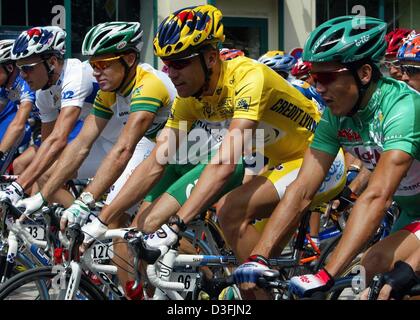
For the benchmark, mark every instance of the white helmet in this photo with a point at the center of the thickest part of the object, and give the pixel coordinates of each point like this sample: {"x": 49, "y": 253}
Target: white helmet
{"x": 39, "y": 40}
{"x": 5, "y": 50}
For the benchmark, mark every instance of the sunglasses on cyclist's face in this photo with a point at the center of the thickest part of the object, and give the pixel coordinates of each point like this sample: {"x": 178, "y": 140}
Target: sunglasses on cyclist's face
{"x": 410, "y": 70}
{"x": 27, "y": 68}
{"x": 103, "y": 63}
{"x": 326, "y": 77}
{"x": 179, "y": 64}
{"x": 391, "y": 64}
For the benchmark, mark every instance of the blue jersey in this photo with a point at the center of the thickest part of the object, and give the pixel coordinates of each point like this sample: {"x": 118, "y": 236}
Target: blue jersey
{"x": 13, "y": 97}
{"x": 309, "y": 92}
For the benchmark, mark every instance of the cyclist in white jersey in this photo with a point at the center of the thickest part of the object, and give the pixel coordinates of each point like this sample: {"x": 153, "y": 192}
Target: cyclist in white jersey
{"x": 132, "y": 105}
{"x": 65, "y": 92}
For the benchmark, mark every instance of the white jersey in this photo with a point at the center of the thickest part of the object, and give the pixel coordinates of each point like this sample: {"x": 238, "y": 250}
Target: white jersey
{"x": 76, "y": 87}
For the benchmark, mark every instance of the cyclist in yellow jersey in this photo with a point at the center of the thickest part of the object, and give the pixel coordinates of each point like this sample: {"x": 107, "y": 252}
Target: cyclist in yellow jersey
{"x": 249, "y": 94}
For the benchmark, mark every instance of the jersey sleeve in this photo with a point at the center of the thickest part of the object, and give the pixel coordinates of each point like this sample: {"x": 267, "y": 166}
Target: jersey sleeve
{"x": 150, "y": 95}
{"x": 45, "y": 105}
{"x": 248, "y": 91}
{"x": 26, "y": 94}
{"x": 181, "y": 116}
{"x": 102, "y": 106}
{"x": 77, "y": 87}
{"x": 325, "y": 138}
{"x": 401, "y": 125}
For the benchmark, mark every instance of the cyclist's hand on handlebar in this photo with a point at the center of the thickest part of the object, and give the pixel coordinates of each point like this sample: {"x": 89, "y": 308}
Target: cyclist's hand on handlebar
{"x": 31, "y": 204}
{"x": 306, "y": 285}
{"x": 384, "y": 294}
{"x": 78, "y": 212}
{"x": 165, "y": 236}
{"x": 92, "y": 231}
{"x": 344, "y": 199}
{"x": 248, "y": 273}
{"x": 397, "y": 282}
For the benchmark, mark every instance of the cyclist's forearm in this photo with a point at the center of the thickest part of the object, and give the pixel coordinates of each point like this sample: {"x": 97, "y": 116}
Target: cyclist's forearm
{"x": 359, "y": 184}
{"x": 135, "y": 189}
{"x": 209, "y": 186}
{"x": 47, "y": 153}
{"x": 109, "y": 171}
{"x": 68, "y": 163}
{"x": 14, "y": 133}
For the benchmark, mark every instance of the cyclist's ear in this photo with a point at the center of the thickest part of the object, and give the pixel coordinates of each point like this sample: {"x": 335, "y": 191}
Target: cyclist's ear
{"x": 365, "y": 73}
{"x": 130, "y": 58}
{"x": 212, "y": 58}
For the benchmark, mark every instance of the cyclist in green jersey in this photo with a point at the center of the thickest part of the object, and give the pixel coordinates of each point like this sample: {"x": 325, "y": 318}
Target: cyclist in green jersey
{"x": 374, "y": 118}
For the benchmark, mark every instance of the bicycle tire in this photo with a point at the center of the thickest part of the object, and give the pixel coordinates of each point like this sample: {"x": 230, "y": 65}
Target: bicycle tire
{"x": 326, "y": 252}
{"x": 36, "y": 284}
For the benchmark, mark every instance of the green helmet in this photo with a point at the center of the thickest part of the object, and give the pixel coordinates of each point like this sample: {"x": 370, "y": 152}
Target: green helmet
{"x": 347, "y": 39}
{"x": 112, "y": 37}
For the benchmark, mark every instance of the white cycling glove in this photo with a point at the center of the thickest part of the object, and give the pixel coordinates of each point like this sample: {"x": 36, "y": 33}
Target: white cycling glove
{"x": 94, "y": 230}
{"x": 31, "y": 204}
{"x": 78, "y": 212}
{"x": 163, "y": 237}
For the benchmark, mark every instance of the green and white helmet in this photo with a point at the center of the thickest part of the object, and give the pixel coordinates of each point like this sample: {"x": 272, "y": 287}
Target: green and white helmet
{"x": 112, "y": 37}
{"x": 347, "y": 39}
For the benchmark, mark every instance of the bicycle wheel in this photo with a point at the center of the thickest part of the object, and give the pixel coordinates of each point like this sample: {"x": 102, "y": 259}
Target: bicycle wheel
{"x": 44, "y": 284}
{"x": 326, "y": 252}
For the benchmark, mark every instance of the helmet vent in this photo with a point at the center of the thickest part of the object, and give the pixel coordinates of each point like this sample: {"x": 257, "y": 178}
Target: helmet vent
{"x": 331, "y": 41}
{"x": 113, "y": 41}
{"x": 99, "y": 38}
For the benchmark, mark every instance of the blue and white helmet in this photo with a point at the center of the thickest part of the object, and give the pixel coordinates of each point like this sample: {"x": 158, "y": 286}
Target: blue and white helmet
{"x": 39, "y": 40}
{"x": 278, "y": 61}
{"x": 6, "y": 50}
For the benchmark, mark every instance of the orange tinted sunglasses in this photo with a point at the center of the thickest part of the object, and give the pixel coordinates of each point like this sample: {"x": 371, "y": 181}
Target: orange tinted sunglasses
{"x": 103, "y": 63}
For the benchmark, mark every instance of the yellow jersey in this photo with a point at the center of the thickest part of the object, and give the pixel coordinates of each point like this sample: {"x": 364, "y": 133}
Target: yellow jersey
{"x": 247, "y": 89}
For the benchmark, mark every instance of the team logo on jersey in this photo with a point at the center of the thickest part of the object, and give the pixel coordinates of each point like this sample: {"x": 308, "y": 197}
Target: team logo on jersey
{"x": 243, "y": 103}
{"x": 349, "y": 134}
{"x": 67, "y": 95}
{"x": 137, "y": 90}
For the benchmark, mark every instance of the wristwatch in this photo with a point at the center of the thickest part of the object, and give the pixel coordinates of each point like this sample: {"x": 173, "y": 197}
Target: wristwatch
{"x": 88, "y": 199}
{"x": 177, "y": 221}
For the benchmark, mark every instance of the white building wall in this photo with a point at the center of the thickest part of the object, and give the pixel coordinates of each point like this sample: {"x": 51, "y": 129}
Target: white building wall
{"x": 300, "y": 20}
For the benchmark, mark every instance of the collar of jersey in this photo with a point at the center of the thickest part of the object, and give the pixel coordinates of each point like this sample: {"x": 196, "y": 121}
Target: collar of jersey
{"x": 129, "y": 87}
{"x": 373, "y": 104}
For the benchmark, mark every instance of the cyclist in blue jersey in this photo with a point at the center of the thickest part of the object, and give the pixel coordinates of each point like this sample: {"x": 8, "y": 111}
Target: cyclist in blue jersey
{"x": 17, "y": 104}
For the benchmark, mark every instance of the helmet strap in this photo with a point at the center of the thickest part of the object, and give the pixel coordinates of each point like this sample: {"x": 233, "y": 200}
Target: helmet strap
{"x": 207, "y": 74}
{"x": 50, "y": 72}
{"x": 362, "y": 88}
{"x": 9, "y": 74}
{"x": 127, "y": 70}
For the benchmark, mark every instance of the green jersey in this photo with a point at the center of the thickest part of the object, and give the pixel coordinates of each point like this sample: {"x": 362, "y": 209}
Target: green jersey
{"x": 390, "y": 121}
